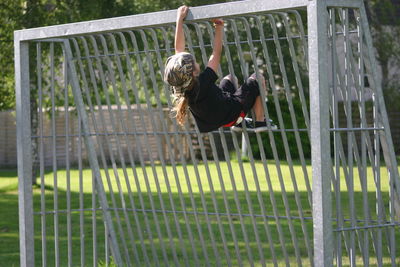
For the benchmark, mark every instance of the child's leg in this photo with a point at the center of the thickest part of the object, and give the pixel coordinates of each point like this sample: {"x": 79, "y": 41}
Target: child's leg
{"x": 229, "y": 84}
{"x": 259, "y": 109}
{"x": 263, "y": 84}
{"x": 250, "y": 97}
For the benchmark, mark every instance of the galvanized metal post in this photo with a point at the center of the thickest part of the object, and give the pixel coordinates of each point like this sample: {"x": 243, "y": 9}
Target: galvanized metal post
{"x": 24, "y": 150}
{"x": 94, "y": 164}
{"x": 320, "y": 147}
{"x": 390, "y": 154}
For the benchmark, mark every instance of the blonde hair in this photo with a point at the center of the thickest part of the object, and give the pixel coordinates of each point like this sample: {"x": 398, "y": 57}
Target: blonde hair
{"x": 181, "y": 103}
{"x": 180, "y": 109}
{"x": 179, "y": 75}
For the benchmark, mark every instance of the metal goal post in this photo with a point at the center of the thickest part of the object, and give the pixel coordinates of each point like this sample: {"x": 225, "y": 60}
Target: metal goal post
{"x": 120, "y": 182}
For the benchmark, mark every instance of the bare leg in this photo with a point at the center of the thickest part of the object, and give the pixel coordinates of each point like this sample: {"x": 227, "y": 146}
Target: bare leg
{"x": 258, "y": 105}
{"x": 259, "y": 109}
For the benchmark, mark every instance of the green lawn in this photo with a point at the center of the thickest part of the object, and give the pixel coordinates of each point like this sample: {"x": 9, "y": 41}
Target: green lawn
{"x": 173, "y": 187}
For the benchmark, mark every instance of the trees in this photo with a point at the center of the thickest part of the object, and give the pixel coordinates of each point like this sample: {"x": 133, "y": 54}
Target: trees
{"x": 10, "y": 19}
{"x": 17, "y": 14}
{"x": 20, "y": 14}
{"x": 384, "y": 19}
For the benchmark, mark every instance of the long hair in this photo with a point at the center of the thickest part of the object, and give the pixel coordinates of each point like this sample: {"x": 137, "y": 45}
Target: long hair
{"x": 181, "y": 103}
{"x": 180, "y": 109}
{"x": 179, "y": 75}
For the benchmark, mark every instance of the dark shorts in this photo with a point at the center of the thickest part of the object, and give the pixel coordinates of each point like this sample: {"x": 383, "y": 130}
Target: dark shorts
{"x": 245, "y": 94}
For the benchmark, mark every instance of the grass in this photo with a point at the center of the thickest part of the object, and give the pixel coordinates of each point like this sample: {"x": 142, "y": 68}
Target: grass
{"x": 167, "y": 240}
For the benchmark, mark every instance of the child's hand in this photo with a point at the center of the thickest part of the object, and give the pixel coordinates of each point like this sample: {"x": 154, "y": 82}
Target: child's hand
{"x": 182, "y": 12}
{"x": 217, "y": 22}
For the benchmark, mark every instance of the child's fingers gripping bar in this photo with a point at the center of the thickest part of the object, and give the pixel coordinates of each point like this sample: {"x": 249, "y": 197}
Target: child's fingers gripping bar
{"x": 217, "y": 22}
{"x": 182, "y": 12}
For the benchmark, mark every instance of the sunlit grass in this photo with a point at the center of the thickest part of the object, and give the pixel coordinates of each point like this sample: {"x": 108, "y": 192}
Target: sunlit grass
{"x": 174, "y": 186}
{"x": 157, "y": 174}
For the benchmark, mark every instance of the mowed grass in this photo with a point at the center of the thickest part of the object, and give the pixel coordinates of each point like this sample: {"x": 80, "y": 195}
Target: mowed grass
{"x": 177, "y": 190}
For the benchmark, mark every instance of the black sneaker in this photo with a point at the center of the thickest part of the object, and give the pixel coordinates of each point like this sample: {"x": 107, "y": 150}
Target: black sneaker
{"x": 239, "y": 127}
{"x": 261, "y": 126}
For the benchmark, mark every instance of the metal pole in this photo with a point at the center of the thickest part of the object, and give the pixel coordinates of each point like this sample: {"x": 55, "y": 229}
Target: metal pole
{"x": 391, "y": 156}
{"x": 24, "y": 152}
{"x": 320, "y": 143}
{"x": 41, "y": 153}
{"x": 159, "y": 18}
{"x": 94, "y": 164}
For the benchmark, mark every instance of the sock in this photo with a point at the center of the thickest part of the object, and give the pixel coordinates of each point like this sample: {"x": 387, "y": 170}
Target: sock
{"x": 260, "y": 123}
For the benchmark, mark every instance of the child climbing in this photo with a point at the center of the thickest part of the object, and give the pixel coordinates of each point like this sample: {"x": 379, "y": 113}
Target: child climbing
{"x": 212, "y": 106}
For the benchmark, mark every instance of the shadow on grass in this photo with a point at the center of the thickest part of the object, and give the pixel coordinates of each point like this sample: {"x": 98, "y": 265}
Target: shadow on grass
{"x": 7, "y": 173}
{"x": 46, "y": 187}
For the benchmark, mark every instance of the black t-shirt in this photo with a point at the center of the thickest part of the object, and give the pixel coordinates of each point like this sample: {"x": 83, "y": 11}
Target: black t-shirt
{"x": 210, "y": 106}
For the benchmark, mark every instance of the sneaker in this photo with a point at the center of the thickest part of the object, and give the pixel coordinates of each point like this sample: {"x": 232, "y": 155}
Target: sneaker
{"x": 239, "y": 127}
{"x": 261, "y": 126}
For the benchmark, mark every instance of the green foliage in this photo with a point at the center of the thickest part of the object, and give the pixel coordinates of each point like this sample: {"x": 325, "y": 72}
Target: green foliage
{"x": 10, "y": 19}
{"x": 20, "y": 14}
{"x": 385, "y": 28}
{"x": 383, "y": 12}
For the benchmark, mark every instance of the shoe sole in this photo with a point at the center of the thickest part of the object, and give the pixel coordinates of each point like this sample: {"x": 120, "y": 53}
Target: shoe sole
{"x": 265, "y": 128}
{"x": 255, "y": 130}
{"x": 236, "y": 129}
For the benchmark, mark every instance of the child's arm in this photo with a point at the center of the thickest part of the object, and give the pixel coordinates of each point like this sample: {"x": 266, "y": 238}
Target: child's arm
{"x": 179, "y": 34}
{"x": 215, "y": 58}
